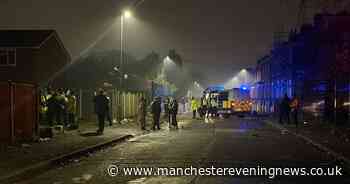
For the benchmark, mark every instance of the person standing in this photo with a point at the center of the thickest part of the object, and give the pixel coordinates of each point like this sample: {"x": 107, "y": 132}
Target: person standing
{"x": 101, "y": 108}
{"x": 61, "y": 107}
{"x": 194, "y": 107}
{"x": 167, "y": 110}
{"x": 108, "y": 114}
{"x": 174, "y": 107}
{"x": 71, "y": 109}
{"x": 156, "y": 110}
{"x": 294, "y": 106}
{"x": 284, "y": 109}
{"x": 204, "y": 106}
{"x": 142, "y": 113}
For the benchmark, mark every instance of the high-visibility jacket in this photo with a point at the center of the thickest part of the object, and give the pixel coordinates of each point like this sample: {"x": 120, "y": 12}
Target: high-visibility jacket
{"x": 72, "y": 104}
{"x": 213, "y": 102}
{"x": 194, "y": 105}
{"x": 43, "y": 107}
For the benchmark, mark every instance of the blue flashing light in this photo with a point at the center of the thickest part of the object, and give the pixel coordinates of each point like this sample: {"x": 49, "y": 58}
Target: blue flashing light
{"x": 244, "y": 87}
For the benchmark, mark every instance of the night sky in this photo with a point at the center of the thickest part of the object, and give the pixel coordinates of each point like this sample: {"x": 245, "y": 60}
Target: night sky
{"x": 219, "y": 37}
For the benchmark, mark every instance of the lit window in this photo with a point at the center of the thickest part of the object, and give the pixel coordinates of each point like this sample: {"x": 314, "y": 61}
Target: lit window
{"x": 7, "y": 57}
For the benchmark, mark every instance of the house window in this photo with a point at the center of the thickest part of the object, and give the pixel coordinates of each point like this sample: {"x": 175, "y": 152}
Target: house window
{"x": 7, "y": 57}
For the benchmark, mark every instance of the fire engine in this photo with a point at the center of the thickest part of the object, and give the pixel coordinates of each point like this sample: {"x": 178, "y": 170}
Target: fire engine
{"x": 229, "y": 102}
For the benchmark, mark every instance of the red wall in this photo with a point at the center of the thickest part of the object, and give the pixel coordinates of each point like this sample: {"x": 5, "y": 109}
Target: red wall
{"x": 25, "y": 111}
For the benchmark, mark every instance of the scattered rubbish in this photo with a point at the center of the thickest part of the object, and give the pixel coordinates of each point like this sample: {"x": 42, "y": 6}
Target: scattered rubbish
{"x": 124, "y": 121}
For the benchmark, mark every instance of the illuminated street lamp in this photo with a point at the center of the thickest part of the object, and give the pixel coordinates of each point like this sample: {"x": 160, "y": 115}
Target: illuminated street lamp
{"x": 125, "y": 15}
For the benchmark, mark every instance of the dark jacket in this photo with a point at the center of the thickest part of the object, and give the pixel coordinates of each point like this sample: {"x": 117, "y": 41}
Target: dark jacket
{"x": 101, "y": 104}
{"x": 174, "y": 106}
{"x": 284, "y": 106}
{"x": 156, "y": 107}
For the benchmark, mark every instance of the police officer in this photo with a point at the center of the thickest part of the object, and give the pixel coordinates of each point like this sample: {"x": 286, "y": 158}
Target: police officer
{"x": 194, "y": 107}
{"x": 101, "y": 105}
{"x": 174, "y": 106}
{"x": 156, "y": 110}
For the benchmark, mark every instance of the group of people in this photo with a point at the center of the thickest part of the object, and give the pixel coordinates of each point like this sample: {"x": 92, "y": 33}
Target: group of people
{"x": 205, "y": 108}
{"x": 170, "y": 106}
{"x": 289, "y": 108}
{"x": 59, "y": 107}
{"x": 102, "y": 110}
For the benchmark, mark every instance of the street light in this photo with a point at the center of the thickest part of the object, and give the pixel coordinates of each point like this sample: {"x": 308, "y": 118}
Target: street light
{"x": 125, "y": 14}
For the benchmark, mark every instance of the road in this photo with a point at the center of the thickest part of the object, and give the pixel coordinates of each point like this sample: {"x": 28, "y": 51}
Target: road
{"x": 234, "y": 142}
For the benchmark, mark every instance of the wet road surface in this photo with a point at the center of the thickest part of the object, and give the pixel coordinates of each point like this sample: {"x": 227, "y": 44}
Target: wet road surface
{"x": 230, "y": 143}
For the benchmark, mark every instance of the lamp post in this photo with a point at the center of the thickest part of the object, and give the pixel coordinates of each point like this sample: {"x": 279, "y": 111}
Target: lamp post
{"x": 125, "y": 14}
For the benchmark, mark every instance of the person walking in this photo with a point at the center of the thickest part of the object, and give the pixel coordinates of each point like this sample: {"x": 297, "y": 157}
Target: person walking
{"x": 156, "y": 111}
{"x": 194, "y": 107}
{"x": 174, "y": 107}
{"x": 294, "y": 106}
{"x": 101, "y": 108}
{"x": 284, "y": 109}
{"x": 142, "y": 113}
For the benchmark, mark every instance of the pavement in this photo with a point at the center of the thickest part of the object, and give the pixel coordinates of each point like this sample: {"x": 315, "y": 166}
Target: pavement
{"x": 234, "y": 143}
{"x": 334, "y": 139}
{"x": 22, "y": 160}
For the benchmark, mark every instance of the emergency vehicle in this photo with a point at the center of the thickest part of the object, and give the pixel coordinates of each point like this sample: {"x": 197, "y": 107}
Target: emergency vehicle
{"x": 229, "y": 102}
